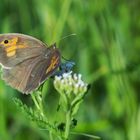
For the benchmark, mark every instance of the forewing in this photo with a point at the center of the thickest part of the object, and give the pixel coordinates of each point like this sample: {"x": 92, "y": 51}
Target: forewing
{"x": 22, "y": 47}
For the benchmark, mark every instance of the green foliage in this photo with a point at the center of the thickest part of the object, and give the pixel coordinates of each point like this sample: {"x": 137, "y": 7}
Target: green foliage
{"x": 106, "y": 52}
{"x": 32, "y": 114}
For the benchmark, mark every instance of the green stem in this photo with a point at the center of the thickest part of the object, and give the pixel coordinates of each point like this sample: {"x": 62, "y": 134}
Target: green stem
{"x": 50, "y": 135}
{"x": 38, "y": 103}
{"x": 35, "y": 102}
{"x": 39, "y": 98}
{"x": 68, "y": 123}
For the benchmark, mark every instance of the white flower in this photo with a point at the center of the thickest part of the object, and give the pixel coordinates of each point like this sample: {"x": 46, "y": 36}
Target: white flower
{"x": 70, "y": 83}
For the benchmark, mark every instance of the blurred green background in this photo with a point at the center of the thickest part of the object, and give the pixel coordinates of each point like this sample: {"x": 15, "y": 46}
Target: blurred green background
{"x": 106, "y": 51}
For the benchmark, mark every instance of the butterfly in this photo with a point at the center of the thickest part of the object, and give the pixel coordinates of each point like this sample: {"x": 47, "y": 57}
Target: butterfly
{"x": 26, "y": 61}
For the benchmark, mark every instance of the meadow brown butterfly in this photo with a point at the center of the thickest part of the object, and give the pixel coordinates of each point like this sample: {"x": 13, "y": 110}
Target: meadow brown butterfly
{"x": 26, "y": 61}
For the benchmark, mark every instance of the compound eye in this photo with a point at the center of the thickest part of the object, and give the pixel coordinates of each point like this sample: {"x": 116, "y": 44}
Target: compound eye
{"x": 6, "y": 41}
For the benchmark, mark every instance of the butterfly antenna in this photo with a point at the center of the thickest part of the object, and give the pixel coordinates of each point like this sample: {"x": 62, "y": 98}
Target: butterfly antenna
{"x": 68, "y": 61}
{"x": 66, "y": 37}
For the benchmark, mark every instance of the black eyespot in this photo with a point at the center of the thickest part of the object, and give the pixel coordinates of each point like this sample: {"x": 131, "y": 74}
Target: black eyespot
{"x": 6, "y": 41}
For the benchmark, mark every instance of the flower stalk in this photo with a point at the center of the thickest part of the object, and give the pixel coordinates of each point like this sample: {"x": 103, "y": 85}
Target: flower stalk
{"x": 72, "y": 91}
{"x": 67, "y": 125}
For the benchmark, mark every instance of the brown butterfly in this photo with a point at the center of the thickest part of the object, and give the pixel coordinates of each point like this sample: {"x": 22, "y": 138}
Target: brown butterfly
{"x": 26, "y": 61}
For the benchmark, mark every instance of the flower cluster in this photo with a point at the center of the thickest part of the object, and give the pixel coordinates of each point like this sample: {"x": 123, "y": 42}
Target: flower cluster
{"x": 72, "y": 91}
{"x": 70, "y": 83}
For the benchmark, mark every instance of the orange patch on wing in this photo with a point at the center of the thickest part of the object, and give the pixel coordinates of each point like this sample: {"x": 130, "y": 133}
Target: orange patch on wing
{"x": 12, "y": 48}
{"x": 14, "y": 41}
{"x": 53, "y": 63}
{"x": 12, "y": 53}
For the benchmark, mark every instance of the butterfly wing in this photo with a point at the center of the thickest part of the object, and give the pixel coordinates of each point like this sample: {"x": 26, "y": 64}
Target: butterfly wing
{"x": 28, "y": 75}
{"x": 18, "y": 48}
{"x": 17, "y": 77}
